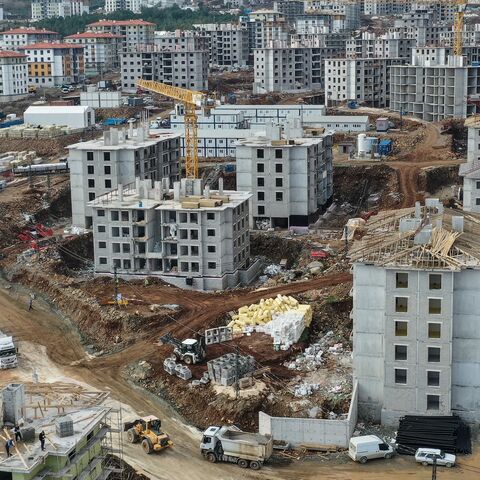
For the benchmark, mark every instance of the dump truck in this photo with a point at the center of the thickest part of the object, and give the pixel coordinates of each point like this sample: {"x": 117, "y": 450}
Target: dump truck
{"x": 230, "y": 444}
{"x": 8, "y": 352}
{"x": 148, "y": 431}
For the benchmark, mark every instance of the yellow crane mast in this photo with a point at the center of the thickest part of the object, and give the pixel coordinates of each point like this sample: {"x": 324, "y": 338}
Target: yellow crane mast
{"x": 191, "y": 101}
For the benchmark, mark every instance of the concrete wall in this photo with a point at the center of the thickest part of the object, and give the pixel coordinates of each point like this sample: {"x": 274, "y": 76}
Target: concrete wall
{"x": 13, "y": 396}
{"x": 297, "y": 431}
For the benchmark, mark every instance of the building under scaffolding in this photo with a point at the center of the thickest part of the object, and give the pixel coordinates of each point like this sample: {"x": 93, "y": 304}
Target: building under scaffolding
{"x": 416, "y": 320}
{"x": 79, "y": 441}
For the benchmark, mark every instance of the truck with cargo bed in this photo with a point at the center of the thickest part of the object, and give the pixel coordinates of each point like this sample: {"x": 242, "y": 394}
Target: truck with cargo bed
{"x": 230, "y": 444}
{"x": 8, "y": 352}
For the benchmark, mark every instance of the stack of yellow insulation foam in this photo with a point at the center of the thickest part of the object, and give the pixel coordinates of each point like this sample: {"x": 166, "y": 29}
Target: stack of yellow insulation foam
{"x": 261, "y": 313}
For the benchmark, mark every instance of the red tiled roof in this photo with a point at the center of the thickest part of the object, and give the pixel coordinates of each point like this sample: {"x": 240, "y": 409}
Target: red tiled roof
{"x": 94, "y": 35}
{"x": 10, "y": 54}
{"x": 27, "y": 30}
{"x": 111, "y": 23}
{"x": 43, "y": 45}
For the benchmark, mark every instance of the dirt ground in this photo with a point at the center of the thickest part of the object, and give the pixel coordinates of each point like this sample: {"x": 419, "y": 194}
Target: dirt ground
{"x": 49, "y": 344}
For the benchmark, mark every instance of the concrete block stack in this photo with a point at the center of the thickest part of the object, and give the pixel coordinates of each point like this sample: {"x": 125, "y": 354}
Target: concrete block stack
{"x": 218, "y": 335}
{"x": 286, "y": 328}
{"x": 223, "y": 370}
{"x": 64, "y": 426}
{"x": 173, "y": 368}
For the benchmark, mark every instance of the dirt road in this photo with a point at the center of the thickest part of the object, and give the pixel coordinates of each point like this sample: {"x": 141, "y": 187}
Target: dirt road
{"x": 62, "y": 349}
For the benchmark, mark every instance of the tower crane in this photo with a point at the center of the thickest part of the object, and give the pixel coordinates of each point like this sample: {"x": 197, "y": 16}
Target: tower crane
{"x": 191, "y": 100}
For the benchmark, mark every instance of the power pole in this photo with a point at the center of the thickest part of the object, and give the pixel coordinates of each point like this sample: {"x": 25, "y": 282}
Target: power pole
{"x": 434, "y": 468}
{"x": 115, "y": 279}
{"x": 237, "y": 373}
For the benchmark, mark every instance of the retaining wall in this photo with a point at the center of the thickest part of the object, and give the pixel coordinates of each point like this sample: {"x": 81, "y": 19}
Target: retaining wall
{"x": 313, "y": 431}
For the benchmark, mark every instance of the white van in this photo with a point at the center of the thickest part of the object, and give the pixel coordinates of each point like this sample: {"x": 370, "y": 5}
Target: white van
{"x": 362, "y": 449}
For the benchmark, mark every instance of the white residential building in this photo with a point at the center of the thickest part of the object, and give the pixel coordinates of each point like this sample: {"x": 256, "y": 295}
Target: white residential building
{"x": 134, "y": 6}
{"x": 385, "y": 7}
{"x": 21, "y": 36}
{"x": 185, "y": 69}
{"x": 53, "y": 64}
{"x": 100, "y": 50}
{"x": 359, "y": 79}
{"x": 434, "y": 87}
{"x": 390, "y": 45}
{"x": 290, "y": 178}
{"x": 345, "y": 15}
{"x": 13, "y": 76}
{"x": 99, "y": 166}
{"x": 42, "y": 9}
{"x": 136, "y": 33}
{"x": 190, "y": 236}
{"x": 228, "y": 43}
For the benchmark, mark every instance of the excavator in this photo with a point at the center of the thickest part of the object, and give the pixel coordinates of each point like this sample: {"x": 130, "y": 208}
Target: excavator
{"x": 148, "y": 431}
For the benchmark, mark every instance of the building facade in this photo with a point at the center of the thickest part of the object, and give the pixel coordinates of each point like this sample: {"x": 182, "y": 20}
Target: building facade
{"x": 470, "y": 171}
{"x": 360, "y": 79}
{"x": 100, "y": 50}
{"x": 53, "y": 64}
{"x": 42, "y": 9}
{"x": 19, "y": 37}
{"x": 434, "y": 87}
{"x": 290, "y": 69}
{"x": 185, "y": 69}
{"x": 135, "y": 33}
{"x": 228, "y": 43}
{"x": 290, "y": 179}
{"x": 189, "y": 236}
{"x": 415, "y": 322}
{"x": 99, "y": 166}
{"x": 13, "y": 76}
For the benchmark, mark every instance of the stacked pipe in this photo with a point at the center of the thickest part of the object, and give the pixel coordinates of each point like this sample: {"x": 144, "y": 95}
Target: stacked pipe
{"x": 447, "y": 433}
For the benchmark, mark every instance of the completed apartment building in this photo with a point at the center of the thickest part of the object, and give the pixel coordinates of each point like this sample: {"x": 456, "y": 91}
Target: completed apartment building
{"x": 99, "y": 166}
{"x": 21, "y": 36}
{"x": 290, "y": 178}
{"x": 13, "y": 76}
{"x": 189, "y": 236}
{"x": 359, "y": 79}
{"x": 185, "y": 69}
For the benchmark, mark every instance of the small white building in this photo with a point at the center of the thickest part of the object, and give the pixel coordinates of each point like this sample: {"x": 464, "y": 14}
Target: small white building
{"x": 13, "y": 76}
{"x": 74, "y": 117}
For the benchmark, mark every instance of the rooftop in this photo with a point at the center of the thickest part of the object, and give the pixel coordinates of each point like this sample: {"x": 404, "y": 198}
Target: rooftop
{"x": 10, "y": 54}
{"x": 45, "y": 45}
{"x": 129, "y": 143}
{"x": 121, "y": 23}
{"x": 93, "y": 35}
{"x": 84, "y": 420}
{"x": 422, "y": 237}
{"x": 27, "y": 30}
{"x": 262, "y": 141}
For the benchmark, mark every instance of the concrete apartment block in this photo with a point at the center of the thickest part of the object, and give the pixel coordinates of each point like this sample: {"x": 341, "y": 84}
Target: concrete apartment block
{"x": 188, "y": 236}
{"x": 416, "y": 332}
{"x": 470, "y": 171}
{"x": 185, "y": 69}
{"x": 434, "y": 87}
{"x": 290, "y": 179}
{"x": 99, "y": 166}
{"x": 182, "y": 40}
{"x": 360, "y": 79}
{"x": 389, "y": 45}
{"x": 228, "y": 43}
{"x": 290, "y": 68}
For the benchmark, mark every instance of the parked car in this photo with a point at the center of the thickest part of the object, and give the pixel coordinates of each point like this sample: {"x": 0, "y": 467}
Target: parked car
{"x": 425, "y": 456}
{"x": 368, "y": 447}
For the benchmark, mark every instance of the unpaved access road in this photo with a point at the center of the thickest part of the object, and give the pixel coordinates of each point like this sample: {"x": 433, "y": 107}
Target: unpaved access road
{"x": 51, "y": 345}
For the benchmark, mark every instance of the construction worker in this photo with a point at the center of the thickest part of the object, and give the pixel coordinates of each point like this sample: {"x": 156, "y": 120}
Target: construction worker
{"x": 8, "y": 445}
{"x": 30, "y": 301}
{"x": 41, "y": 437}
{"x": 18, "y": 435}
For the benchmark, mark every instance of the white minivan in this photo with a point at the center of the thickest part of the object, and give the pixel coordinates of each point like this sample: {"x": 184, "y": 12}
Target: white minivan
{"x": 368, "y": 447}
